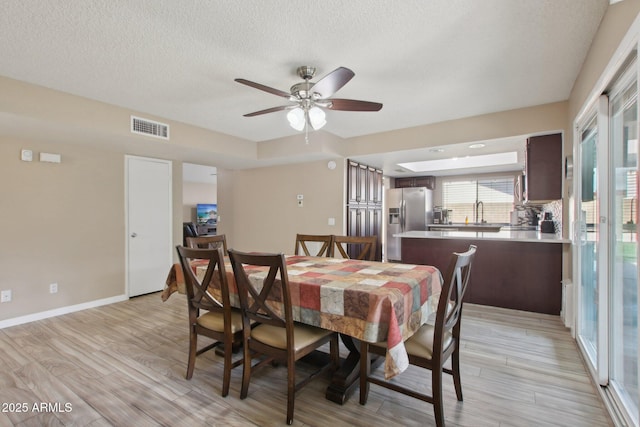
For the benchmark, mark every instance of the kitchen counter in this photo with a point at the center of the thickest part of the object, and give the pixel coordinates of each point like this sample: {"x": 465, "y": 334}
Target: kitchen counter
{"x": 517, "y": 269}
{"x": 504, "y": 234}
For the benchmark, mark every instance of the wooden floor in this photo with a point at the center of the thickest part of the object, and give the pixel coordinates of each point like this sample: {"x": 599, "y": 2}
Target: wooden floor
{"x": 124, "y": 365}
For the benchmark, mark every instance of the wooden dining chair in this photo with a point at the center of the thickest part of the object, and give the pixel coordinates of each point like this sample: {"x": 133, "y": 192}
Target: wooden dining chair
{"x": 356, "y": 247}
{"x": 267, "y": 302}
{"x": 209, "y": 316}
{"x": 323, "y": 242}
{"x": 432, "y": 345}
{"x": 208, "y": 242}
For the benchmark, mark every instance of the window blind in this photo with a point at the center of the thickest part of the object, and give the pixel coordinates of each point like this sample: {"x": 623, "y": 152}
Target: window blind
{"x": 495, "y": 193}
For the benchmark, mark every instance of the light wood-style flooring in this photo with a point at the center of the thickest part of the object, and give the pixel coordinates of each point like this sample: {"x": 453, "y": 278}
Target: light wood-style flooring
{"x": 124, "y": 365}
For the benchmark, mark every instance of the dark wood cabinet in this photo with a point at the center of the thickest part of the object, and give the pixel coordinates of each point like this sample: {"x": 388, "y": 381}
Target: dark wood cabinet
{"x": 365, "y": 221}
{"x": 364, "y": 184}
{"x": 416, "y": 181}
{"x": 374, "y": 186}
{"x": 357, "y": 182}
{"x": 518, "y": 275}
{"x": 356, "y": 221}
{"x": 364, "y": 202}
{"x": 543, "y": 168}
{"x": 374, "y": 227}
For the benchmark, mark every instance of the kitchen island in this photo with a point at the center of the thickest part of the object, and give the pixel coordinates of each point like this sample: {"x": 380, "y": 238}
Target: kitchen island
{"x": 514, "y": 269}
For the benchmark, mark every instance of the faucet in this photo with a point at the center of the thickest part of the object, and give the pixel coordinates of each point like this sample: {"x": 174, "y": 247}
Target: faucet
{"x": 478, "y": 204}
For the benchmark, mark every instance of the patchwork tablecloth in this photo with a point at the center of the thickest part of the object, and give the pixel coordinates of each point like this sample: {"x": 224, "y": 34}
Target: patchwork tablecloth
{"x": 368, "y": 300}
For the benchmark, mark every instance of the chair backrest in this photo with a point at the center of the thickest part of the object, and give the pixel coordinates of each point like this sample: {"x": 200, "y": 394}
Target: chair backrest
{"x": 189, "y": 229}
{"x": 198, "y": 294}
{"x": 357, "y": 247}
{"x": 267, "y": 299}
{"x": 324, "y": 242}
{"x": 449, "y": 309}
{"x": 208, "y": 242}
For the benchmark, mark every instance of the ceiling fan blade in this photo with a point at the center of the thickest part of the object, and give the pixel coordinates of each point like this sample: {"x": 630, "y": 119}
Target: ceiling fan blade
{"x": 265, "y": 88}
{"x": 268, "y": 110}
{"x": 353, "y": 105}
{"x": 332, "y": 82}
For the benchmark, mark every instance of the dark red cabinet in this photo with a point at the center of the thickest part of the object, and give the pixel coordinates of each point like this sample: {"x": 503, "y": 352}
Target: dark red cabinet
{"x": 364, "y": 202}
{"x": 543, "y": 168}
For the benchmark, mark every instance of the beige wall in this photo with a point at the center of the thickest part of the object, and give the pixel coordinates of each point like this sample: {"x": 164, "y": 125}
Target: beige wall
{"x": 523, "y": 121}
{"x": 265, "y": 215}
{"x": 614, "y": 26}
{"x": 61, "y": 223}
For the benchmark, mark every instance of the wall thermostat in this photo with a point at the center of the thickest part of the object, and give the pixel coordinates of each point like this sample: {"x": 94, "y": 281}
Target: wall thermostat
{"x": 331, "y": 165}
{"x": 26, "y": 155}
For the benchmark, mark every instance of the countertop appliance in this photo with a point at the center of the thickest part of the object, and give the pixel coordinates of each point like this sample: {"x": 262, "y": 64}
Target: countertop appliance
{"x": 547, "y": 225}
{"x": 408, "y": 209}
{"x": 441, "y": 215}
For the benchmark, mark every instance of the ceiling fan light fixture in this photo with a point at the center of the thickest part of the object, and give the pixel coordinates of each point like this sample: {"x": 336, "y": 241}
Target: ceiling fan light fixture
{"x": 296, "y": 118}
{"x": 317, "y": 117}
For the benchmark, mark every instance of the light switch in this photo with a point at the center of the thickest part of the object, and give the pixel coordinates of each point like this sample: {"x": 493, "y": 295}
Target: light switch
{"x": 26, "y": 155}
{"x": 332, "y": 221}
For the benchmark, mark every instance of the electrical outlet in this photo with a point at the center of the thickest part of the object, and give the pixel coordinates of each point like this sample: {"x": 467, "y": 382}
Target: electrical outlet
{"x": 53, "y": 288}
{"x": 5, "y": 296}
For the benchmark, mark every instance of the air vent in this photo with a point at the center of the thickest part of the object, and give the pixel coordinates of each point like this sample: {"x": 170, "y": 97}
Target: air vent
{"x": 149, "y": 128}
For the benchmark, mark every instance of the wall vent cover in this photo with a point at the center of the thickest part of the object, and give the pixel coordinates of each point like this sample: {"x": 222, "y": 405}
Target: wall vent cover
{"x": 149, "y": 128}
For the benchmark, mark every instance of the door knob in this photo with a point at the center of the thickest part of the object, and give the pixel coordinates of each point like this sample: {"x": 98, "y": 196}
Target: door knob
{"x": 134, "y": 234}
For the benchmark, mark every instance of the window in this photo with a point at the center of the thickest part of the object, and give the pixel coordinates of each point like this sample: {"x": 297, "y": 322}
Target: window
{"x": 494, "y": 193}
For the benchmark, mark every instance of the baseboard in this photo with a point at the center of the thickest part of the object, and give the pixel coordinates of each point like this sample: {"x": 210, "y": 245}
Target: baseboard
{"x": 59, "y": 311}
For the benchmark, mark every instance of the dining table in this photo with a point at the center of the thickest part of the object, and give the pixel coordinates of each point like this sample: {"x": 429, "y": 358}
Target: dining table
{"x": 378, "y": 302}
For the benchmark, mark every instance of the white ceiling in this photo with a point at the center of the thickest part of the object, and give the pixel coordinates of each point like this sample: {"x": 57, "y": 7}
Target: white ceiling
{"x": 426, "y": 61}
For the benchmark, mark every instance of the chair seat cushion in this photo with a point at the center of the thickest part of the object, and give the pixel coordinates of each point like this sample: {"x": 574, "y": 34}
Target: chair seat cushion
{"x": 275, "y": 336}
{"x": 215, "y": 321}
{"x": 421, "y": 342}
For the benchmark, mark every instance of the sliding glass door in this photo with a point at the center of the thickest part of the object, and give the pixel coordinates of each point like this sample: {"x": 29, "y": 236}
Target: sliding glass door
{"x": 588, "y": 242}
{"x": 623, "y": 289}
{"x": 606, "y": 241}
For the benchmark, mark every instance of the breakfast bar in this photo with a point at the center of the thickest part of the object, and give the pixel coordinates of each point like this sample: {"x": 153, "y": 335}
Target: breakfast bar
{"x": 517, "y": 269}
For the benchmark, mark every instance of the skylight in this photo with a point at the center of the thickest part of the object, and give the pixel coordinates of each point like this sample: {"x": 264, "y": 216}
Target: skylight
{"x": 507, "y": 158}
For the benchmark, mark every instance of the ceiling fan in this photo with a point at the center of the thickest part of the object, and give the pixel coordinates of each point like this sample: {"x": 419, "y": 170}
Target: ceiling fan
{"x": 309, "y": 99}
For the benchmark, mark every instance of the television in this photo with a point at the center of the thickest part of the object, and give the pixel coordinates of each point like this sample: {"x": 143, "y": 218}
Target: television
{"x": 206, "y": 213}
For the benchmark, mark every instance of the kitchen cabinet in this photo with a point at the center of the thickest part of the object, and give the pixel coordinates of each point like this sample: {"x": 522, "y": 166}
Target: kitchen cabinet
{"x": 365, "y": 221}
{"x": 374, "y": 186}
{"x": 543, "y": 168}
{"x": 510, "y": 274}
{"x": 374, "y": 228}
{"x": 356, "y": 221}
{"x": 364, "y": 202}
{"x": 364, "y": 184}
{"x": 416, "y": 181}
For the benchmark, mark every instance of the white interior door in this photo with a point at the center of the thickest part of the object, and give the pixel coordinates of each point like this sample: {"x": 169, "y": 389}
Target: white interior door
{"x": 148, "y": 223}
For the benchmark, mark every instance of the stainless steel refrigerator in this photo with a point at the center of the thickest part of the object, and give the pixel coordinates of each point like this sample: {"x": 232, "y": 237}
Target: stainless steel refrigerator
{"x": 408, "y": 209}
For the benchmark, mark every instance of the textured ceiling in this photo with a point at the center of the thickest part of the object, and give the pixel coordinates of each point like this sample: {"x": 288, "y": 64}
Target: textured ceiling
{"x": 426, "y": 61}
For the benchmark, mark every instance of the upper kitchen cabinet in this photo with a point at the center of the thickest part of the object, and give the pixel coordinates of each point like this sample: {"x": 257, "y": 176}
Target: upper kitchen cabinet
{"x": 364, "y": 184}
{"x": 374, "y": 186}
{"x": 543, "y": 168}
{"x": 416, "y": 181}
